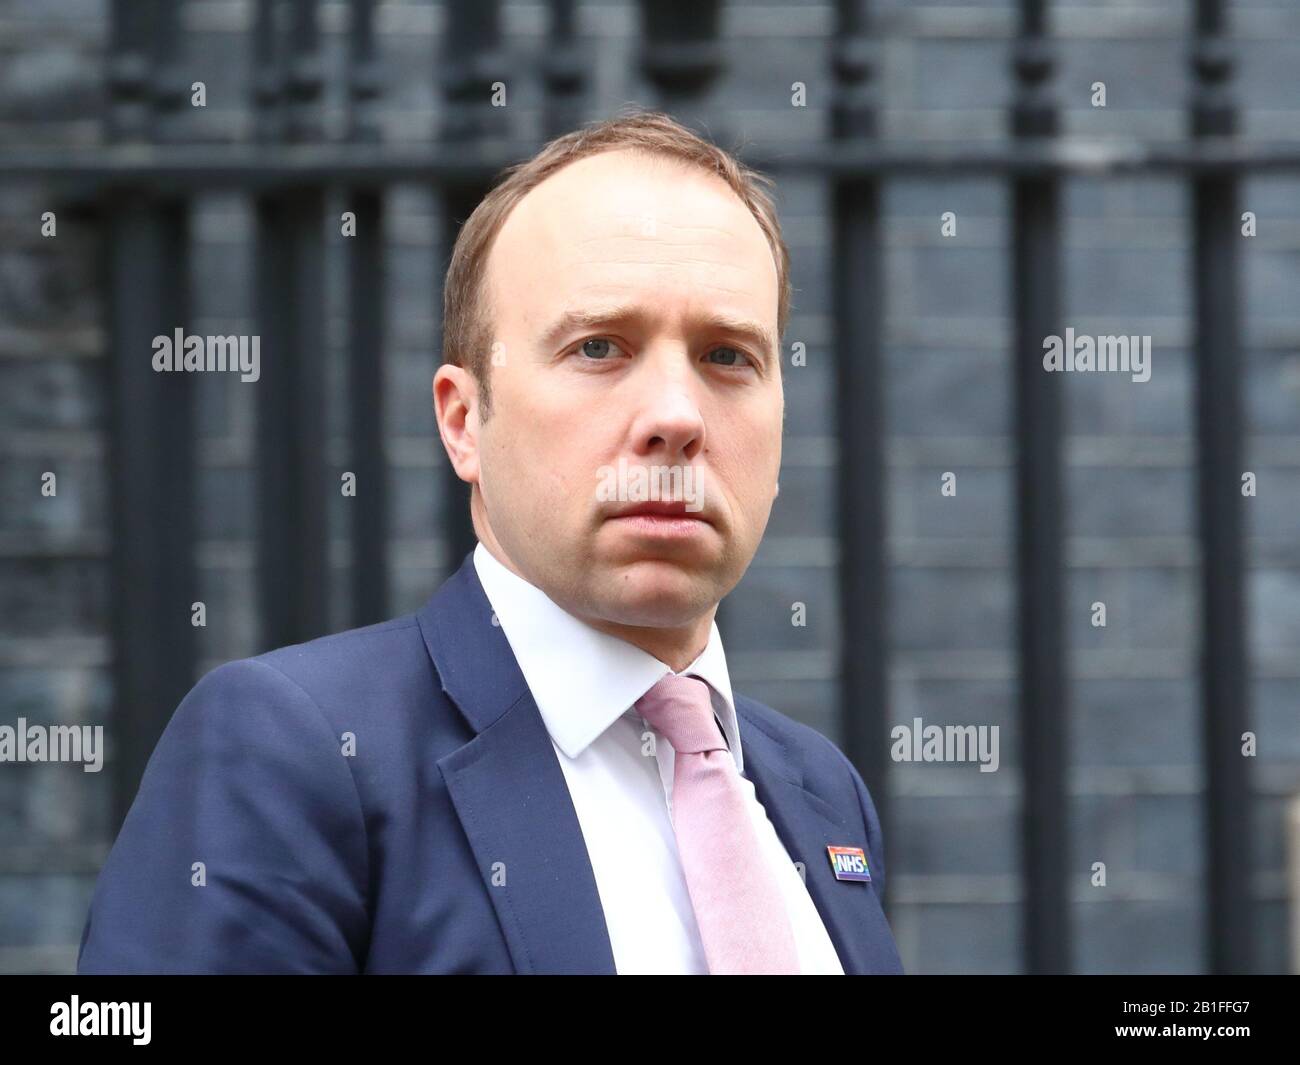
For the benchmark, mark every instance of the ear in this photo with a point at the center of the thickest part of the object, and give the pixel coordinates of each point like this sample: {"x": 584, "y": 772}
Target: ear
{"x": 455, "y": 402}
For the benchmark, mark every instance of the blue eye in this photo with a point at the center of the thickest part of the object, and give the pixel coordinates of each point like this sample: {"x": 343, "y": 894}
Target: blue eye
{"x": 600, "y": 353}
{"x": 735, "y": 359}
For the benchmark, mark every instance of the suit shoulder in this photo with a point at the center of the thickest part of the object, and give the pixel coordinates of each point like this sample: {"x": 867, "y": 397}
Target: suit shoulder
{"x": 350, "y": 661}
{"x": 342, "y": 668}
{"x": 364, "y": 640}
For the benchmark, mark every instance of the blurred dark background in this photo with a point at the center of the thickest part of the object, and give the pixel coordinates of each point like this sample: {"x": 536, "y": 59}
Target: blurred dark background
{"x": 914, "y": 350}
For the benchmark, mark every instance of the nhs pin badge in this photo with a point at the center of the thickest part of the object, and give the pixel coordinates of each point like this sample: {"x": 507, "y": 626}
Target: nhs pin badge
{"x": 849, "y": 863}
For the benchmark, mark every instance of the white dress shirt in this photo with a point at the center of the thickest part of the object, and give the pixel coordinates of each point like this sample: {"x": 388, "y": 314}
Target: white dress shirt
{"x": 585, "y": 684}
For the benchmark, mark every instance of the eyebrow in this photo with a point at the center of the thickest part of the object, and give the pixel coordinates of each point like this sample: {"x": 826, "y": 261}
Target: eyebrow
{"x": 598, "y": 317}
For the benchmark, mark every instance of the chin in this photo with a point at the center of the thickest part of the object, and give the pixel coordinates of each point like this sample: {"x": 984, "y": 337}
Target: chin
{"x": 658, "y": 593}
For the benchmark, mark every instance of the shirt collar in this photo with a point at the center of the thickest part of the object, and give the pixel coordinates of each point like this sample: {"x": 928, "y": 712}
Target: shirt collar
{"x": 584, "y": 680}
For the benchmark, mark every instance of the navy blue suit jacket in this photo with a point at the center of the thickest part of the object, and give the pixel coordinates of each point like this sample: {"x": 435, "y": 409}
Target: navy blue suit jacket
{"x": 354, "y": 800}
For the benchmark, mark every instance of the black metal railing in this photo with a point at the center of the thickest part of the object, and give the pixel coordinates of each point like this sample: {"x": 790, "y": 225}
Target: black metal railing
{"x": 146, "y": 181}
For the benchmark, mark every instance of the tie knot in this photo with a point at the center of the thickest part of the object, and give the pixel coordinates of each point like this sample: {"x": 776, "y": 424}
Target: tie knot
{"x": 680, "y": 708}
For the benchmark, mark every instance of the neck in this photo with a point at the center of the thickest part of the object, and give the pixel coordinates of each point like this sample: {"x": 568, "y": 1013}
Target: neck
{"x": 677, "y": 648}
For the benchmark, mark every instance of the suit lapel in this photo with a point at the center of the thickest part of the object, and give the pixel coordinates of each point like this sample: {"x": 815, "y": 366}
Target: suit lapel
{"x": 807, "y": 825}
{"x": 513, "y": 803}
{"x": 510, "y": 794}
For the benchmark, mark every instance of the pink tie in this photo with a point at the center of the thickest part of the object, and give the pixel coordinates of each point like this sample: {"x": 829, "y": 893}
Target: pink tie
{"x": 738, "y": 906}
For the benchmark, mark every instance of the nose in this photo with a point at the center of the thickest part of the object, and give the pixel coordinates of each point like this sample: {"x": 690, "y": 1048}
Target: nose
{"x": 669, "y": 420}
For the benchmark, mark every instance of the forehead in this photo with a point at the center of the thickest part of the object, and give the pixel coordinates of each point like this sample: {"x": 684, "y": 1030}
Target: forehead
{"x": 623, "y": 225}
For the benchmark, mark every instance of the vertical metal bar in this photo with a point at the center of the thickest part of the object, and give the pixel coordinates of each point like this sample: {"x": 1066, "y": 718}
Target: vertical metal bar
{"x": 152, "y": 482}
{"x": 271, "y": 273}
{"x": 859, "y": 311}
{"x": 562, "y": 71}
{"x": 127, "y": 70}
{"x": 366, "y": 286}
{"x": 682, "y": 55}
{"x": 304, "y": 73}
{"x": 167, "y": 83}
{"x": 293, "y": 563}
{"x": 364, "y": 78}
{"x": 682, "y": 52}
{"x": 145, "y": 264}
{"x": 470, "y": 63}
{"x": 292, "y": 559}
{"x": 1043, "y": 709}
{"x": 1224, "y": 679}
{"x": 268, "y": 73}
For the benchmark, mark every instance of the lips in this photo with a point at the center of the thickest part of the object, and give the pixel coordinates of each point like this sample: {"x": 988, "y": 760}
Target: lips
{"x": 663, "y": 525}
{"x": 659, "y": 509}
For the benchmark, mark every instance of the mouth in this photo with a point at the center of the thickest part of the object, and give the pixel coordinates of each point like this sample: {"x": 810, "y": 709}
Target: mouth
{"x": 661, "y": 520}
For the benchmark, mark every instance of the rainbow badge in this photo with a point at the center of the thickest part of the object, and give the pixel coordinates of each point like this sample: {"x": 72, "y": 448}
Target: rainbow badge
{"x": 849, "y": 863}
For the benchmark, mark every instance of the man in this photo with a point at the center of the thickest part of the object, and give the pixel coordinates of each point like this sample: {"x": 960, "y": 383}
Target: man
{"x": 545, "y": 770}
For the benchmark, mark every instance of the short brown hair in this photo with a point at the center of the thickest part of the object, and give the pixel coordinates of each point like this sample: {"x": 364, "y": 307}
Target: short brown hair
{"x": 466, "y": 320}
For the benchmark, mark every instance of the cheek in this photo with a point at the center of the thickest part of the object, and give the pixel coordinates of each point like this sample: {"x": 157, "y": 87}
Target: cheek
{"x": 747, "y": 445}
{"x": 743, "y": 473}
{"x": 541, "y": 418}
{"x": 554, "y": 466}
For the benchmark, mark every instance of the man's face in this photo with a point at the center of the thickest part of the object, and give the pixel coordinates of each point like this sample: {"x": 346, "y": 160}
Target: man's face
{"x": 624, "y": 290}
